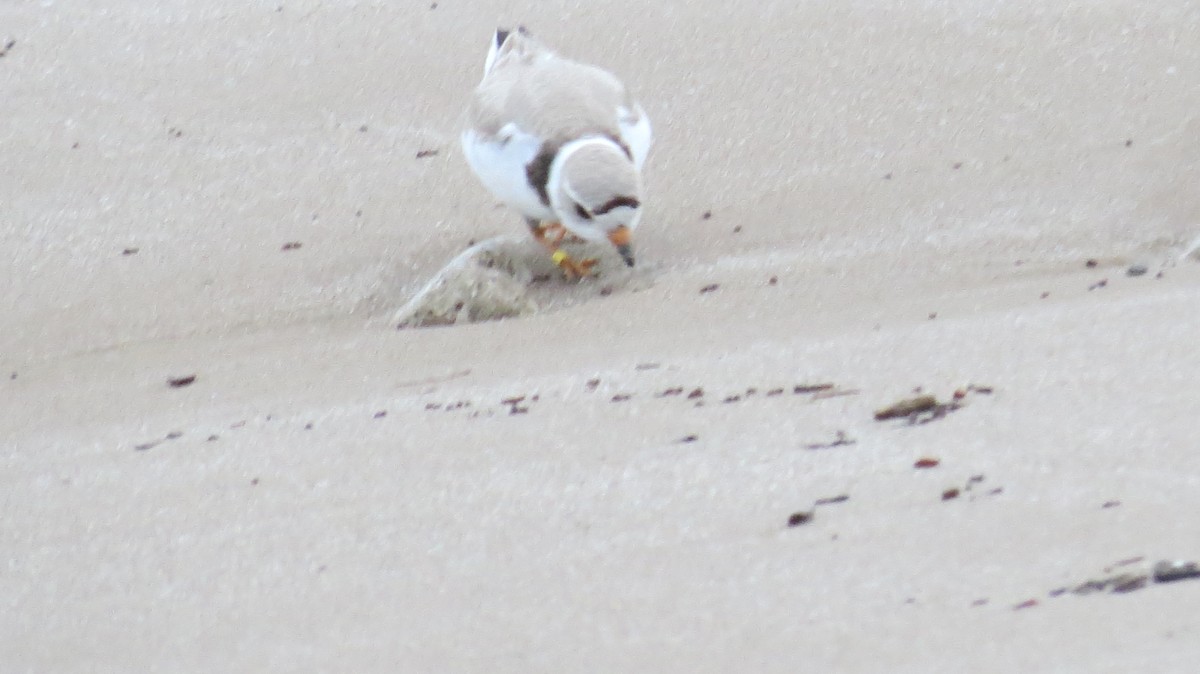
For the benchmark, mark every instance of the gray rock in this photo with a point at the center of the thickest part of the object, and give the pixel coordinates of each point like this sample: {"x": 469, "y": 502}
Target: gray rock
{"x": 488, "y": 281}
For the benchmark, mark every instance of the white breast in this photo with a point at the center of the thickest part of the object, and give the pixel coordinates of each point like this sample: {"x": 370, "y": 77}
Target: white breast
{"x": 500, "y": 163}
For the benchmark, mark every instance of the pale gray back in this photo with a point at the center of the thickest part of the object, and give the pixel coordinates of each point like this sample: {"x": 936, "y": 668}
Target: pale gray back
{"x": 544, "y": 94}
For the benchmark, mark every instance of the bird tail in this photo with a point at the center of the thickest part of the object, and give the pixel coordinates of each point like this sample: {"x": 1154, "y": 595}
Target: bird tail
{"x": 498, "y": 40}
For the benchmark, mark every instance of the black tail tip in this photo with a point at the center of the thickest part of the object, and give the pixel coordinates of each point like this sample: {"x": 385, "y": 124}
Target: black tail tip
{"x": 503, "y": 33}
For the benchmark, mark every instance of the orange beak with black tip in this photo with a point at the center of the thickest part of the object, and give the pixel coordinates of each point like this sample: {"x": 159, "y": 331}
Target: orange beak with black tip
{"x": 620, "y": 237}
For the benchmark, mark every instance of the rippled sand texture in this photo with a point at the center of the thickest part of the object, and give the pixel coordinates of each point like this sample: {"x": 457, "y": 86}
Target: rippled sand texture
{"x": 849, "y": 207}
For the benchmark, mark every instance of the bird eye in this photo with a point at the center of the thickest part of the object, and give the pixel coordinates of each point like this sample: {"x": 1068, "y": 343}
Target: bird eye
{"x": 582, "y": 212}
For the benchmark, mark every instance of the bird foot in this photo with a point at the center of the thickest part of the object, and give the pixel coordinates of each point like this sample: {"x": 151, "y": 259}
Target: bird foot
{"x": 573, "y": 270}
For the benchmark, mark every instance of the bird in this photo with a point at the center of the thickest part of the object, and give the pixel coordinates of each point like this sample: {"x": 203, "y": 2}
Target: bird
{"x": 562, "y": 143}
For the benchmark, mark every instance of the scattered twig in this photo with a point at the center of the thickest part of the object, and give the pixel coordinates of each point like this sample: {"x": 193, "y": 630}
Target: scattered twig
{"x": 907, "y": 408}
{"x": 840, "y": 440}
{"x": 180, "y": 382}
{"x": 835, "y": 393}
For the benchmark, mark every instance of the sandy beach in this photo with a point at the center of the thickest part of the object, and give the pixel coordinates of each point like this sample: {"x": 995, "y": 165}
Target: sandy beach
{"x": 217, "y": 452}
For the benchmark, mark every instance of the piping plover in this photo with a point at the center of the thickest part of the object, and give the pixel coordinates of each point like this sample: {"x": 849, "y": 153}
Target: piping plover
{"x": 562, "y": 143}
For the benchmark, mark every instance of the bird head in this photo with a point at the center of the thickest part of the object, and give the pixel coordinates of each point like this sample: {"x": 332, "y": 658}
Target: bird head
{"x": 596, "y": 192}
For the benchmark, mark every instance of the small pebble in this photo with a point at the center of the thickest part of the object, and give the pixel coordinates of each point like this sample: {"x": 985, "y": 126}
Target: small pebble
{"x": 1166, "y": 572}
{"x": 1136, "y": 270}
{"x": 798, "y": 518}
{"x": 180, "y": 382}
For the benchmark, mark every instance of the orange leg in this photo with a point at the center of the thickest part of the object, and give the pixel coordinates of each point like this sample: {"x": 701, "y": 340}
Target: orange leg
{"x": 551, "y": 236}
{"x": 554, "y": 233}
{"x": 561, "y": 234}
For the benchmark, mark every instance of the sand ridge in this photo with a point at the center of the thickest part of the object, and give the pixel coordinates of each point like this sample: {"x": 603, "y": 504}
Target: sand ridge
{"x": 892, "y": 199}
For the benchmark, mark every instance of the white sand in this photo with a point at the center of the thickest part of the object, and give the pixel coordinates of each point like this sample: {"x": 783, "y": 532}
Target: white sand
{"x": 1020, "y": 140}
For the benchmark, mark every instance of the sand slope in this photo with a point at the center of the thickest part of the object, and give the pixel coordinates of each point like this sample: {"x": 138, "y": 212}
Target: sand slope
{"x": 923, "y": 181}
